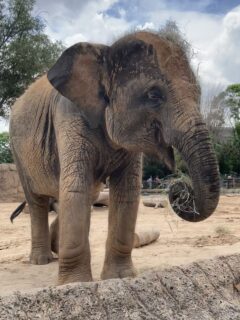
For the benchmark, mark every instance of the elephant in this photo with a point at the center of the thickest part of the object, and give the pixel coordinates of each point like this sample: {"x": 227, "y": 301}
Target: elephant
{"x": 92, "y": 116}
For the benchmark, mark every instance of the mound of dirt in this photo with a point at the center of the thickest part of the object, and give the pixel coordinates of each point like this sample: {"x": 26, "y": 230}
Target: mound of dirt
{"x": 216, "y": 240}
{"x": 202, "y": 290}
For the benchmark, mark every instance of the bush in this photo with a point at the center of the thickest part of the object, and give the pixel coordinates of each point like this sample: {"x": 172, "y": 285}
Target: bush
{"x": 228, "y": 153}
{"x": 5, "y": 150}
{"x": 153, "y": 167}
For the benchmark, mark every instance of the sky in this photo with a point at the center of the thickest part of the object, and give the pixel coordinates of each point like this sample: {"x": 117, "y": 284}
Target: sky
{"x": 211, "y": 26}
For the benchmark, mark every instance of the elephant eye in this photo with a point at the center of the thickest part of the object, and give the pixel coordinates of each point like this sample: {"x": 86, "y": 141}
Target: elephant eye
{"x": 155, "y": 94}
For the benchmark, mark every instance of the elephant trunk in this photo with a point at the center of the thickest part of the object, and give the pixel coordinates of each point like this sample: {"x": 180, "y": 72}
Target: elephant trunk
{"x": 196, "y": 149}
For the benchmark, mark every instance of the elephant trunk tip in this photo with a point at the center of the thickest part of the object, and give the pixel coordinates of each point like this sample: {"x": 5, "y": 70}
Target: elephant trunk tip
{"x": 184, "y": 203}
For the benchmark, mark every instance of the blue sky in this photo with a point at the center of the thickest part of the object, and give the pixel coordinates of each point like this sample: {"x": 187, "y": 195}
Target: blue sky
{"x": 211, "y": 26}
{"x": 205, "y": 6}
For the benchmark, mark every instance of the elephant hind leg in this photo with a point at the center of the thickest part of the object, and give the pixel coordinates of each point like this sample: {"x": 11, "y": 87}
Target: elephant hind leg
{"x": 41, "y": 246}
{"x": 38, "y": 207}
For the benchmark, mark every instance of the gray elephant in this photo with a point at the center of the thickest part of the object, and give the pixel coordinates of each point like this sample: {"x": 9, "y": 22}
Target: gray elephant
{"x": 90, "y": 118}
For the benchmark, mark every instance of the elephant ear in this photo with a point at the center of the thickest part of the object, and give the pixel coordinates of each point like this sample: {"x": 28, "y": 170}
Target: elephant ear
{"x": 80, "y": 74}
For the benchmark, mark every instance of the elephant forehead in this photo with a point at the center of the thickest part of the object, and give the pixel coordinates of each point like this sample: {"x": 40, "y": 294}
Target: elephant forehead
{"x": 137, "y": 73}
{"x": 133, "y": 60}
{"x": 171, "y": 57}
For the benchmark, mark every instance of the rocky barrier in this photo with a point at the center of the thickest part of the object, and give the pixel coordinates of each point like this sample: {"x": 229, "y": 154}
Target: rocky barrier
{"x": 10, "y": 185}
{"x": 204, "y": 290}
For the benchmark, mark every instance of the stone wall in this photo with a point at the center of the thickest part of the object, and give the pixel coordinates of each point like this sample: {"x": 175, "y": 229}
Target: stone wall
{"x": 10, "y": 185}
{"x": 203, "y": 290}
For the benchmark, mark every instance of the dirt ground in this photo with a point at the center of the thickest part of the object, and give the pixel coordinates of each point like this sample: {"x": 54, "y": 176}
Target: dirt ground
{"x": 180, "y": 242}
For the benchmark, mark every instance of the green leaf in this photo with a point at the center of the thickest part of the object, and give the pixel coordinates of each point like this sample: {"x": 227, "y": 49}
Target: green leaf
{"x": 26, "y": 52}
{"x": 5, "y": 151}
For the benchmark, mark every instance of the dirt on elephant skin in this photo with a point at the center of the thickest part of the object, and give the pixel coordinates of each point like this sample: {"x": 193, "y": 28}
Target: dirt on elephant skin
{"x": 180, "y": 243}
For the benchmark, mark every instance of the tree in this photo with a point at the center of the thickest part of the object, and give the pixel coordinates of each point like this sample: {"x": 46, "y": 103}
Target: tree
{"x": 221, "y": 112}
{"x": 232, "y": 99}
{"x": 153, "y": 167}
{"x": 25, "y": 51}
{"x": 221, "y": 108}
{"x": 216, "y": 112}
{"x": 5, "y": 151}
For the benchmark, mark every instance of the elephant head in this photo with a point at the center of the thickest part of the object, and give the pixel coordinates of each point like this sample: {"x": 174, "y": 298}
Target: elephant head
{"x": 142, "y": 91}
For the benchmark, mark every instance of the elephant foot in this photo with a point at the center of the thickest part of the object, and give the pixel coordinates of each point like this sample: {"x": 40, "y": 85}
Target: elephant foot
{"x": 74, "y": 270}
{"x": 118, "y": 269}
{"x": 40, "y": 258}
{"x": 74, "y": 278}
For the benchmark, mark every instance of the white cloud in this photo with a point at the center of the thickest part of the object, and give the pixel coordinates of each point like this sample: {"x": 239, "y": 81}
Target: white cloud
{"x": 220, "y": 60}
{"x": 89, "y": 23}
{"x": 146, "y": 25}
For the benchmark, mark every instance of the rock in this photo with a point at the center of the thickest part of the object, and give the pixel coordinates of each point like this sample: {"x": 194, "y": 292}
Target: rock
{"x": 10, "y": 185}
{"x": 205, "y": 290}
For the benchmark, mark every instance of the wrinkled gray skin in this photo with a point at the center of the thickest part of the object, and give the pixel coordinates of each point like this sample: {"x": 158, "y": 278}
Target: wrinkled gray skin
{"x": 101, "y": 108}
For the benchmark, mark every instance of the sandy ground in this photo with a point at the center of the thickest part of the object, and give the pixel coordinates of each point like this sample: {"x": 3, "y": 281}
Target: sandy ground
{"x": 180, "y": 242}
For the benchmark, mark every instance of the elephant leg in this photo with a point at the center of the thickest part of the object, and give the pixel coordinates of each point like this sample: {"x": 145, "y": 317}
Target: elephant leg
{"x": 76, "y": 183}
{"x": 124, "y": 200}
{"x": 41, "y": 248}
{"x": 38, "y": 208}
{"x": 54, "y": 227}
{"x": 74, "y": 249}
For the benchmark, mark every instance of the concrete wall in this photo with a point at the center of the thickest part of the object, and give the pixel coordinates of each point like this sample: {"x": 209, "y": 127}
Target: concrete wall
{"x": 10, "y": 186}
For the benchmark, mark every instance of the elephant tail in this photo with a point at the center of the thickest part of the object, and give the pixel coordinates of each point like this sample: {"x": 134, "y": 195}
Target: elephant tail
{"x": 17, "y": 211}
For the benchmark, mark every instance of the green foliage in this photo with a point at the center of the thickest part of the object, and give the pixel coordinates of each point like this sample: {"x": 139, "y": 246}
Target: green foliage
{"x": 228, "y": 153}
{"x": 237, "y": 131}
{"x": 25, "y": 51}
{"x": 224, "y": 114}
{"x": 5, "y": 151}
{"x": 154, "y": 168}
{"x": 232, "y": 98}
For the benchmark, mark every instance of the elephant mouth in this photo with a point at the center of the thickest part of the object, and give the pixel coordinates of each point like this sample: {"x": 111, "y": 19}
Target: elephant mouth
{"x": 165, "y": 152}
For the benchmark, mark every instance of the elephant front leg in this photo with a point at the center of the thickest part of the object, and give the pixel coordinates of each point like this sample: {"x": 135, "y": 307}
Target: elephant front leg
{"x": 74, "y": 249}
{"x": 124, "y": 200}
